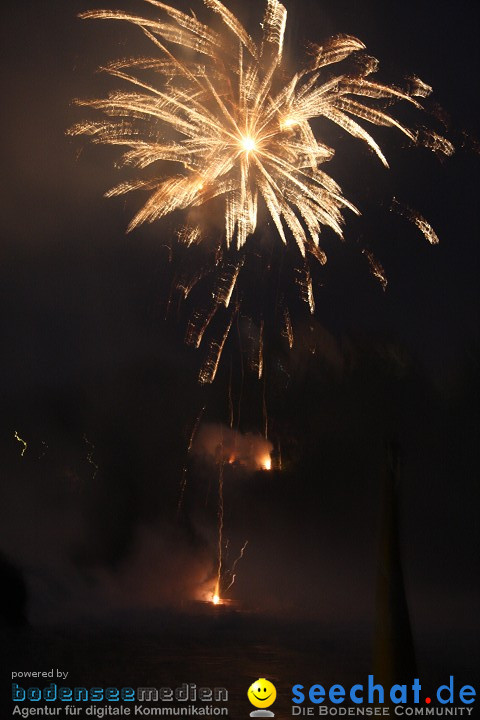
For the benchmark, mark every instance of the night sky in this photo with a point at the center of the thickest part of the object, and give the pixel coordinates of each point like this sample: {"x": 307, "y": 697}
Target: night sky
{"x": 103, "y": 390}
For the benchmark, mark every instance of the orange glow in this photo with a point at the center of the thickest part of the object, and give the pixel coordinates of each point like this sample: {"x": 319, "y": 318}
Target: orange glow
{"x": 266, "y": 463}
{"x": 216, "y": 593}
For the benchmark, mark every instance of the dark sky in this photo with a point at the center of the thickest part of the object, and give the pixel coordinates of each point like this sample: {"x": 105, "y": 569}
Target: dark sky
{"x": 86, "y": 352}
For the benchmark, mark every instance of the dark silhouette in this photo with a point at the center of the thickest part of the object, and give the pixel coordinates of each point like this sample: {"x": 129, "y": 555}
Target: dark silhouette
{"x": 394, "y": 660}
{"x": 13, "y": 598}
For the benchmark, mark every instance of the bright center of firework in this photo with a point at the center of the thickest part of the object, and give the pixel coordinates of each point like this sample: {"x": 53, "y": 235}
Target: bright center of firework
{"x": 215, "y": 599}
{"x": 248, "y": 144}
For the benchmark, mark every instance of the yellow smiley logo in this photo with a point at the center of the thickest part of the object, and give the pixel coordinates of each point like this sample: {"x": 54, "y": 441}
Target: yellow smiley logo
{"x": 262, "y": 693}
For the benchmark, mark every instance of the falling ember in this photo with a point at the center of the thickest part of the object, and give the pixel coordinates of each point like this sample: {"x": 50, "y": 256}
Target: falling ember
{"x": 304, "y": 280}
{"x": 376, "y": 268}
{"x": 198, "y": 325}
{"x": 22, "y": 441}
{"x": 231, "y": 122}
{"x": 209, "y": 370}
{"x": 227, "y": 581}
{"x": 226, "y": 283}
{"x": 288, "y": 331}
{"x": 189, "y": 235}
{"x": 260, "y": 351}
{"x": 418, "y": 220}
{"x": 90, "y": 458}
{"x": 183, "y": 483}
{"x": 233, "y": 571}
{"x": 435, "y": 142}
{"x": 220, "y": 516}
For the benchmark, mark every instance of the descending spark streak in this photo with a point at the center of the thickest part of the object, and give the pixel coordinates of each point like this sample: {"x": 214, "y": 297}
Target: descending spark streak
{"x": 226, "y": 283}
{"x": 189, "y": 235}
{"x": 216, "y": 594}
{"x": 229, "y": 122}
{"x": 20, "y": 440}
{"x": 183, "y": 484}
{"x": 260, "y": 350}
{"x": 234, "y": 566}
{"x": 376, "y": 268}
{"x": 256, "y": 347}
{"x": 288, "y": 332}
{"x": 418, "y": 220}
{"x": 183, "y": 487}
{"x": 186, "y": 286}
{"x": 198, "y": 325}
{"x": 210, "y": 366}
{"x": 435, "y": 142}
{"x": 304, "y": 280}
{"x": 90, "y": 459}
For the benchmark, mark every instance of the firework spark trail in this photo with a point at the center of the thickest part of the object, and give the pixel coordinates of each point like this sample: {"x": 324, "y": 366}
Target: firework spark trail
{"x": 288, "y": 330}
{"x": 260, "y": 350}
{"x": 418, "y": 220}
{"x": 183, "y": 484}
{"x": 220, "y": 516}
{"x": 210, "y": 366}
{"x": 189, "y": 235}
{"x": 183, "y": 487}
{"x": 304, "y": 280}
{"x": 376, "y": 268}
{"x": 227, "y": 121}
{"x": 90, "y": 460}
{"x": 198, "y": 325}
{"x": 227, "y": 281}
{"x": 233, "y": 573}
{"x": 186, "y": 285}
{"x": 22, "y": 441}
{"x": 428, "y": 138}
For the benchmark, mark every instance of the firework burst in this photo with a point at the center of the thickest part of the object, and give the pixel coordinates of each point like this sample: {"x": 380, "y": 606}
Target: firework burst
{"x": 223, "y": 119}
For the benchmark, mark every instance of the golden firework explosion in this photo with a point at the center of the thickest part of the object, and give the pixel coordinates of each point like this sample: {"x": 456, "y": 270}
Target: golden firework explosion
{"x": 223, "y": 118}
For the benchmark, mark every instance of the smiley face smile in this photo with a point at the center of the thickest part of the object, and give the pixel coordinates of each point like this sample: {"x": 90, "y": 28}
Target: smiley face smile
{"x": 263, "y": 698}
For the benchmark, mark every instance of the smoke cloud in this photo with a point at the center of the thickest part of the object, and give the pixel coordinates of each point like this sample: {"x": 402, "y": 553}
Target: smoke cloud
{"x": 218, "y": 443}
